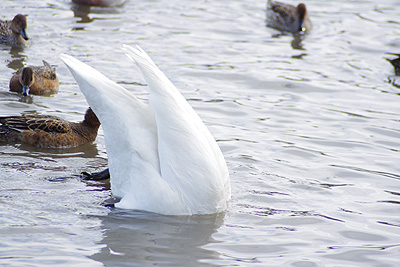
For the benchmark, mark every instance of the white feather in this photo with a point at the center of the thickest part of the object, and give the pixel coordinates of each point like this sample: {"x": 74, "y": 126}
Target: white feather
{"x": 162, "y": 158}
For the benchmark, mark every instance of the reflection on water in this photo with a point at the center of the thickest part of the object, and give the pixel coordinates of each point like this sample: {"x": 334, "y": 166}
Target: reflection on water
{"x": 18, "y": 59}
{"x": 83, "y": 151}
{"x": 28, "y": 99}
{"x": 141, "y": 238}
{"x": 83, "y": 11}
{"x": 297, "y": 39}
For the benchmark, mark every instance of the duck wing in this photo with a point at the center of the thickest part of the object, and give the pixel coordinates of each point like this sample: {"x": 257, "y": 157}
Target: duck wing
{"x": 50, "y": 124}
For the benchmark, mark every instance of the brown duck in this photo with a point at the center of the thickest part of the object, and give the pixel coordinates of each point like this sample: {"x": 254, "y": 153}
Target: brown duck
{"x": 47, "y": 131}
{"x": 12, "y": 32}
{"x": 36, "y": 80}
{"x": 104, "y": 3}
{"x": 288, "y": 18}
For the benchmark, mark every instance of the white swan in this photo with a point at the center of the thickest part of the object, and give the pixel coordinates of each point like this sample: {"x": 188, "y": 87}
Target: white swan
{"x": 162, "y": 158}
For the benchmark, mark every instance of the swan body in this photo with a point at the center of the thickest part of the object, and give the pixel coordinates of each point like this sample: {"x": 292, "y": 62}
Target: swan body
{"x": 162, "y": 158}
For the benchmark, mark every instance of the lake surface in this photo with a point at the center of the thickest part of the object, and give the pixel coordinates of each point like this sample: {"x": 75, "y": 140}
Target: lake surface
{"x": 309, "y": 127}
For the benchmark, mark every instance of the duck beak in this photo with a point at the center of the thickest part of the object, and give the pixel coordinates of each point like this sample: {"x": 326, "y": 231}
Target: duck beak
{"x": 25, "y": 90}
{"x": 24, "y": 35}
{"x": 301, "y": 28}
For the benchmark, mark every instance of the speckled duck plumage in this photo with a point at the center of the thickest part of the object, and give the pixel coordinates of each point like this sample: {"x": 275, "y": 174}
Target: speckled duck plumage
{"x": 13, "y": 32}
{"x": 36, "y": 80}
{"x": 288, "y": 18}
{"x": 47, "y": 131}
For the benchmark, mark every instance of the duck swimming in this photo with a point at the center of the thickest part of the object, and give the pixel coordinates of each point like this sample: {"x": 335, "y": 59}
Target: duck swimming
{"x": 288, "y": 18}
{"x": 35, "y": 80}
{"x": 161, "y": 156}
{"x": 13, "y": 32}
{"x": 47, "y": 131}
{"x": 102, "y": 3}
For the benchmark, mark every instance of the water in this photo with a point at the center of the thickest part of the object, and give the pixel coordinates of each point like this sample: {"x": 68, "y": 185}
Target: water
{"x": 309, "y": 127}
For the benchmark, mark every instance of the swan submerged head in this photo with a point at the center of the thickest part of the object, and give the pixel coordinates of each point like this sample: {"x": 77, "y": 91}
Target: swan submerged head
{"x": 162, "y": 158}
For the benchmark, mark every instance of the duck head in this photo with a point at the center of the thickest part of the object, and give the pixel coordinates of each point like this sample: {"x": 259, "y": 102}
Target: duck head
{"x": 91, "y": 119}
{"x": 301, "y": 12}
{"x": 27, "y": 79}
{"x": 18, "y": 26}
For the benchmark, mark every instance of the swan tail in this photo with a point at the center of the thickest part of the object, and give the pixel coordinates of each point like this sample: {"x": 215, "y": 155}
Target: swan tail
{"x": 156, "y": 79}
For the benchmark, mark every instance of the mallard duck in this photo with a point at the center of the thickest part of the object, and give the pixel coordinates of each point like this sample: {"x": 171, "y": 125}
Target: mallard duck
{"x": 288, "y": 18}
{"x": 161, "y": 156}
{"x": 13, "y": 32}
{"x": 35, "y": 80}
{"x": 47, "y": 131}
